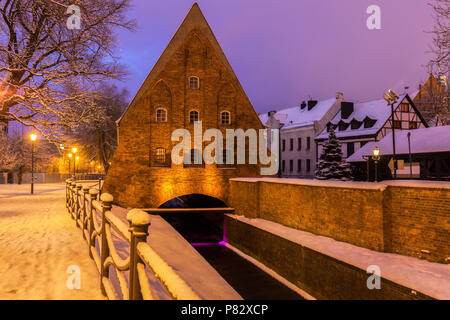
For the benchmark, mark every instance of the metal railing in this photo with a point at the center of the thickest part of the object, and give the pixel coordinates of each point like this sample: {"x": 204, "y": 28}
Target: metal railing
{"x": 93, "y": 215}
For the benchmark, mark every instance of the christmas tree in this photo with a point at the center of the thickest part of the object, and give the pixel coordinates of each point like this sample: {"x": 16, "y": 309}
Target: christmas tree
{"x": 331, "y": 165}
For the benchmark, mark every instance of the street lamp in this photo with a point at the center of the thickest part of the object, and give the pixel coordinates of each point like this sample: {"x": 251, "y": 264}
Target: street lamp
{"x": 376, "y": 158}
{"x": 33, "y": 138}
{"x": 391, "y": 98}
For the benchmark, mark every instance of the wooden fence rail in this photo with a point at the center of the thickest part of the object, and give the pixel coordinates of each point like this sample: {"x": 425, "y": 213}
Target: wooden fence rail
{"x": 92, "y": 214}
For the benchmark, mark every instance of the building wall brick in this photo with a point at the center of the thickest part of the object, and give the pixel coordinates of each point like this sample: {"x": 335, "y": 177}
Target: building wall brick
{"x": 412, "y": 221}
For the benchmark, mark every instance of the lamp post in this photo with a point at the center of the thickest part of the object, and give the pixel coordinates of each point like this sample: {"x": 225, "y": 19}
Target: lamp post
{"x": 74, "y": 151}
{"x": 70, "y": 159}
{"x": 391, "y": 98}
{"x": 76, "y": 161}
{"x": 33, "y": 138}
{"x": 376, "y": 158}
{"x": 410, "y": 156}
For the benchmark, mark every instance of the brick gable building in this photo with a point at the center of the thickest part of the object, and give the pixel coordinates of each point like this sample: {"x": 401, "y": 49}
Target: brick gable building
{"x": 191, "y": 81}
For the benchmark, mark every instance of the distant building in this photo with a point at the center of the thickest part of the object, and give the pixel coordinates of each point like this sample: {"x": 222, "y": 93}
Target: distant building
{"x": 433, "y": 100}
{"x": 299, "y": 125}
{"x": 360, "y": 123}
{"x": 430, "y": 154}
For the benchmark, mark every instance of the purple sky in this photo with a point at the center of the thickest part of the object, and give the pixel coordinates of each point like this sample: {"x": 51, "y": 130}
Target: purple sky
{"x": 284, "y": 51}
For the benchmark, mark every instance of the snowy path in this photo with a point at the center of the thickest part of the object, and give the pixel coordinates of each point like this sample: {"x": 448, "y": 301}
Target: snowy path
{"x": 38, "y": 242}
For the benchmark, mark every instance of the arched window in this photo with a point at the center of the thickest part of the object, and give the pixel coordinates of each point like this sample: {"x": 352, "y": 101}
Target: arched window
{"x": 161, "y": 115}
{"x": 193, "y": 116}
{"x": 194, "y": 83}
{"x": 225, "y": 118}
{"x": 160, "y": 156}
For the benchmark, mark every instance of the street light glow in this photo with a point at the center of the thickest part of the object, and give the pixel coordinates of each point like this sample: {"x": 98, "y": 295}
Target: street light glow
{"x": 74, "y": 150}
{"x": 376, "y": 152}
{"x": 78, "y": 158}
{"x": 70, "y": 155}
{"x": 33, "y": 137}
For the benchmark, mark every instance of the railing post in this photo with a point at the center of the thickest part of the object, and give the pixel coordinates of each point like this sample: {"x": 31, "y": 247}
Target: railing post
{"x": 139, "y": 222}
{"x": 68, "y": 182}
{"x": 99, "y": 187}
{"x": 73, "y": 193}
{"x": 83, "y": 218}
{"x": 107, "y": 200}
{"x": 92, "y": 196}
{"x": 77, "y": 208}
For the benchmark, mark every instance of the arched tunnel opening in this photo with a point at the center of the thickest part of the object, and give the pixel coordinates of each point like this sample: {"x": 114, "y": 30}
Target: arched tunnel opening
{"x": 197, "y": 228}
{"x": 204, "y": 231}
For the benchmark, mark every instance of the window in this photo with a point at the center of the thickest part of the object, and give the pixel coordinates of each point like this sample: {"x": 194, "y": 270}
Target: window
{"x": 194, "y": 83}
{"x": 291, "y": 165}
{"x": 284, "y": 145}
{"x": 350, "y": 148}
{"x": 291, "y": 146}
{"x": 343, "y": 126}
{"x": 412, "y": 125}
{"x": 193, "y": 116}
{"x": 299, "y": 165}
{"x": 225, "y": 118}
{"x": 363, "y": 143}
{"x": 356, "y": 124}
{"x": 397, "y": 124}
{"x": 308, "y": 143}
{"x": 160, "y": 155}
{"x": 404, "y": 107}
{"x": 308, "y": 165}
{"x": 283, "y": 165}
{"x": 161, "y": 115}
{"x": 299, "y": 141}
{"x": 369, "y": 123}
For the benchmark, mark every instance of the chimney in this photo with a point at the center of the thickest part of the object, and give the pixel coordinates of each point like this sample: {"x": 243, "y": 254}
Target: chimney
{"x": 339, "y": 96}
{"x": 271, "y": 113}
{"x": 303, "y": 105}
{"x": 311, "y": 104}
{"x": 346, "y": 109}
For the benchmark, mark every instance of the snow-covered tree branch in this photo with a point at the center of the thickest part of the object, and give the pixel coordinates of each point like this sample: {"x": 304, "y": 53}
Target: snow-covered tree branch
{"x": 48, "y": 72}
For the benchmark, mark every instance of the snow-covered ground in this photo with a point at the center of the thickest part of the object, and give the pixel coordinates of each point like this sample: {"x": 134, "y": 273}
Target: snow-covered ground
{"x": 38, "y": 243}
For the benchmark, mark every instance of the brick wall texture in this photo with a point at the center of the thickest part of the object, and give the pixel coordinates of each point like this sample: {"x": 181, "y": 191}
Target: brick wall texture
{"x": 412, "y": 221}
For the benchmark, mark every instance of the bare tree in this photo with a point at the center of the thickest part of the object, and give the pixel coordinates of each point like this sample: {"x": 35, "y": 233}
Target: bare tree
{"x": 98, "y": 137}
{"x": 441, "y": 33}
{"x": 41, "y": 57}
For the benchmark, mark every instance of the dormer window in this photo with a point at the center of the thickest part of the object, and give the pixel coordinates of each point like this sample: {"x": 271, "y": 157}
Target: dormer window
{"x": 193, "y": 116}
{"x": 369, "y": 123}
{"x": 225, "y": 118}
{"x": 355, "y": 124}
{"x": 161, "y": 115}
{"x": 194, "y": 83}
{"x": 343, "y": 126}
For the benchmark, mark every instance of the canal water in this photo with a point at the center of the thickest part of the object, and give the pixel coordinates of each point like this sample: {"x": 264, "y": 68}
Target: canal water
{"x": 204, "y": 231}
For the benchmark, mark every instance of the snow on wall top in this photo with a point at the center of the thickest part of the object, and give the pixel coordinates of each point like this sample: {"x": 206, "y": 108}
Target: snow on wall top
{"x": 296, "y": 117}
{"x": 424, "y": 140}
{"x": 377, "y": 110}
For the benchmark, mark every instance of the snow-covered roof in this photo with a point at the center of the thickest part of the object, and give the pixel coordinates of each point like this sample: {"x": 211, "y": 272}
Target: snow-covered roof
{"x": 377, "y": 110}
{"x": 425, "y": 140}
{"x": 296, "y": 117}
